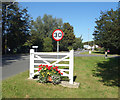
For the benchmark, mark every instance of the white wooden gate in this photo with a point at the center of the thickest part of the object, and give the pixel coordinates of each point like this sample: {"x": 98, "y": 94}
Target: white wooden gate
{"x": 37, "y": 56}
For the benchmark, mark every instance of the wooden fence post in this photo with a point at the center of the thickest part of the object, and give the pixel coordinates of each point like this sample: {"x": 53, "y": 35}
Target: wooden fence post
{"x": 71, "y": 66}
{"x": 31, "y": 63}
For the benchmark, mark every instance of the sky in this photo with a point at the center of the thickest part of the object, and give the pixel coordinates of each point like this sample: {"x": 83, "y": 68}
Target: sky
{"x": 81, "y": 15}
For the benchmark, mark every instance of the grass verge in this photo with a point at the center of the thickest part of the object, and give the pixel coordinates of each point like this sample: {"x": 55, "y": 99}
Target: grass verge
{"x": 88, "y": 72}
{"x": 98, "y": 53}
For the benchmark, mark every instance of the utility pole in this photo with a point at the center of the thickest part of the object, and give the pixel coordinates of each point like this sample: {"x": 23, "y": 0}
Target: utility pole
{"x": 88, "y": 36}
{"x": 6, "y": 28}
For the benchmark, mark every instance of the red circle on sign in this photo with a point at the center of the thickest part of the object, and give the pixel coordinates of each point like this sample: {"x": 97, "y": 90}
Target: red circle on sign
{"x": 54, "y": 32}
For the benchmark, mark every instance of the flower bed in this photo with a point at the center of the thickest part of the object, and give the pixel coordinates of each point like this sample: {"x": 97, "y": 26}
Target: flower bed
{"x": 49, "y": 73}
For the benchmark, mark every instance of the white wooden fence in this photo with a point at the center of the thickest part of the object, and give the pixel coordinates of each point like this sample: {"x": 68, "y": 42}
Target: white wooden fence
{"x": 37, "y": 56}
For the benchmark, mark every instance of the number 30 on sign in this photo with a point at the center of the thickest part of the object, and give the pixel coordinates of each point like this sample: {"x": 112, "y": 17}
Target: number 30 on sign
{"x": 57, "y": 34}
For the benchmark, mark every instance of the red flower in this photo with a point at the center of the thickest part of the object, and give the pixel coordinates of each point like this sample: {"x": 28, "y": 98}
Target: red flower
{"x": 40, "y": 65}
{"x": 49, "y": 68}
{"x": 53, "y": 67}
{"x": 56, "y": 69}
{"x": 61, "y": 73}
{"x": 40, "y": 68}
{"x": 46, "y": 65}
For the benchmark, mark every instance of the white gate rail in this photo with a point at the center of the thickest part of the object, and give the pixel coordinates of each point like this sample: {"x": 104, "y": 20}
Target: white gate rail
{"x": 37, "y": 56}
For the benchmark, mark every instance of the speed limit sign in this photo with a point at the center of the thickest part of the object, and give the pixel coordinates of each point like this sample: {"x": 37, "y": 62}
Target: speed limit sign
{"x": 57, "y": 34}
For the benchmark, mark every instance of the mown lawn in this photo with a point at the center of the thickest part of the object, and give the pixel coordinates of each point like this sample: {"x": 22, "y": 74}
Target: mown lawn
{"x": 98, "y": 53}
{"x": 93, "y": 73}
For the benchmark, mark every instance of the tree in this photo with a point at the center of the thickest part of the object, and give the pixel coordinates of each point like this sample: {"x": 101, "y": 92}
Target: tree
{"x": 78, "y": 43}
{"x": 91, "y": 43}
{"x": 68, "y": 39}
{"x": 16, "y": 24}
{"x": 42, "y": 28}
{"x": 107, "y": 31}
{"x": 47, "y": 44}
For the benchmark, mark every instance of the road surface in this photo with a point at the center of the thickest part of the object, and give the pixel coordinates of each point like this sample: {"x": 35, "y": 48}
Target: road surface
{"x": 12, "y": 65}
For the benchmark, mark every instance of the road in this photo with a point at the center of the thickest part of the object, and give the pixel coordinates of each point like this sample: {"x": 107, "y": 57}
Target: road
{"x": 14, "y": 64}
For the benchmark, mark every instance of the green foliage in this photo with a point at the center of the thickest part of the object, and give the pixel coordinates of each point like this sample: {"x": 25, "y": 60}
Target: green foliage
{"x": 28, "y": 43}
{"x": 16, "y": 24}
{"x": 70, "y": 48}
{"x": 100, "y": 49}
{"x": 42, "y": 28}
{"x": 68, "y": 38}
{"x": 107, "y": 32}
{"x": 56, "y": 79}
{"x": 78, "y": 43}
{"x": 47, "y": 44}
{"x": 91, "y": 43}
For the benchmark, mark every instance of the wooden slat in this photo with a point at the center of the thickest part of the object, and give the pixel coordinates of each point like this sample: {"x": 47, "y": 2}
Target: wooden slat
{"x": 60, "y": 60}
{"x": 63, "y": 69}
{"x": 35, "y": 68}
{"x": 43, "y": 53}
{"x": 40, "y": 64}
{"x": 61, "y": 64}
{"x": 50, "y": 59}
{"x": 64, "y": 74}
{"x": 58, "y": 69}
{"x": 49, "y": 65}
{"x": 43, "y": 60}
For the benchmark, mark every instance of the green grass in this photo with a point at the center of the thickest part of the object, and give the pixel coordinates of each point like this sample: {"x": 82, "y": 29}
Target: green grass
{"x": 93, "y": 74}
{"x": 98, "y": 53}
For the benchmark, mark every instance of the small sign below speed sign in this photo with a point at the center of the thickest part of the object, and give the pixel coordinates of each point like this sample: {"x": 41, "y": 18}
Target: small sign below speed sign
{"x": 57, "y": 34}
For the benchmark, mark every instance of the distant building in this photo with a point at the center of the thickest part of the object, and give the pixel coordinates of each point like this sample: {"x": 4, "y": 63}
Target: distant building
{"x": 95, "y": 46}
{"x": 87, "y": 47}
{"x": 90, "y": 47}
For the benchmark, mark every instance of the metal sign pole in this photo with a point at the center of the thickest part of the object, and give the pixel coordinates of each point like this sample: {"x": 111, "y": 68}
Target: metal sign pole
{"x": 57, "y": 36}
{"x": 57, "y": 48}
